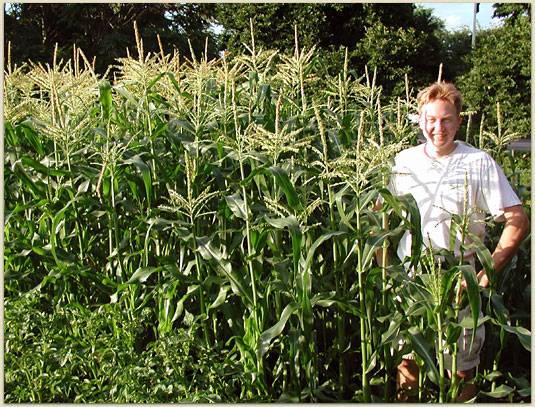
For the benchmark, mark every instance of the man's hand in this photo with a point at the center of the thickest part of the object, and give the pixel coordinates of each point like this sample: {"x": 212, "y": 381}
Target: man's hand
{"x": 483, "y": 278}
{"x": 515, "y": 230}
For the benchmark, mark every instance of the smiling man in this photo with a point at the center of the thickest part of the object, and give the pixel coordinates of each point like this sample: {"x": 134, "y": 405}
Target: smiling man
{"x": 435, "y": 173}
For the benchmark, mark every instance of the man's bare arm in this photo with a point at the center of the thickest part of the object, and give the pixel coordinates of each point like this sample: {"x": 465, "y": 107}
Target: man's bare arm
{"x": 515, "y": 230}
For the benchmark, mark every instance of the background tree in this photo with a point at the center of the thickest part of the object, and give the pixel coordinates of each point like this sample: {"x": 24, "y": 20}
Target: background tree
{"x": 103, "y": 31}
{"x": 401, "y": 39}
{"x": 501, "y": 71}
{"x": 396, "y": 38}
{"x": 456, "y": 53}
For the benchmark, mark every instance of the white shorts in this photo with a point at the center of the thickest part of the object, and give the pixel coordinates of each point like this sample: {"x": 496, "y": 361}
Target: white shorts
{"x": 467, "y": 357}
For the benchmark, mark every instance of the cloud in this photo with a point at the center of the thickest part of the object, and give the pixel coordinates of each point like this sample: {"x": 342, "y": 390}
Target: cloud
{"x": 455, "y": 21}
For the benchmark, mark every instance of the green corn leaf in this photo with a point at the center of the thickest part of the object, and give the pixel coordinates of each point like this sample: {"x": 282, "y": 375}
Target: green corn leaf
{"x": 455, "y": 229}
{"x": 9, "y": 135}
{"x": 155, "y": 80}
{"x": 468, "y": 322}
{"x": 282, "y": 180}
{"x": 295, "y": 230}
{"x": 37, "y": 188}
{"x": 393, "y": 329}
{"x": 106, "y": 99}
{"x": 56, "y": 226}
{"x": 414, "y": 226}
{"x": 142, "y": 274}
{"x": 271, "y": 333}
{"x": 127, "y": 95}
{"x": 161, "y": 224}
{"x": 145, "y": 173}
{"x": 446, "y": 284}
{"x": 500, "y": 392}
{"x": 524, "y": 392}
{"x": 453, "y": 333}
{"x": 42, "y": 168}
{"x": 485, "y": 257}
{"x": 32, "y": 136}
{"x": 403, "y": 205}
{"x": 264, "y": 93}
{"x": 373, "y": 243}
{"x": 259, "y": 239}
{"x": 499, "y": 309}
{"x": 287, "y": 187}
{"x": 316, "y": 244}
{"x": 183, "y": 124}
{"x": 210, "y": 252}
{"x": 173, "y": 81}
{"x": 237, "y": 205}
{"x": 424, "y": 350}
{"x": 524, "y": 336}
{"x": 372, "y": 362}
{"x": 473, "y": 295}
{"x": 365, "y": 198}
{"x": 221, "y": 297}
{"x": 21, "y": 208}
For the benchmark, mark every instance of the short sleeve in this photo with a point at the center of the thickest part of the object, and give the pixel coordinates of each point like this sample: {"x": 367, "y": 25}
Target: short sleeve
{"x": 496, "y": 191}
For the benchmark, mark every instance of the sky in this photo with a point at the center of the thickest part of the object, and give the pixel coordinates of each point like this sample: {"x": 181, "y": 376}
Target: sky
{"x": 458, "y": 15}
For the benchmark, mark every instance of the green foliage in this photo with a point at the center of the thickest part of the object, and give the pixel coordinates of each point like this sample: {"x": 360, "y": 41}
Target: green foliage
{"x": 202, "y": 230}
{"x": 103, "y": 31}
{"x": 512, "y": 12}
{"x": 457, "y": 53}
{"x": 498, "y": 75}
{"x": 74, "y": 354}
{"x": 397, "y": 39}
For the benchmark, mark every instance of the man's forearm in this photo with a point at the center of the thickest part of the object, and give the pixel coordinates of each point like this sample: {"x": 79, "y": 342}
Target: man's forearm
{"x": 515, "y": 230}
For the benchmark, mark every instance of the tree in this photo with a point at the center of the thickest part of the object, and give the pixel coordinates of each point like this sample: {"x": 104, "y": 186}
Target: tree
{"x": 396, "y": 38}
{"x": 396, "y": 49}
{"x": 457, "y": 51}
{"x": 501, "y": 71}
{"x": 103, "y": 31}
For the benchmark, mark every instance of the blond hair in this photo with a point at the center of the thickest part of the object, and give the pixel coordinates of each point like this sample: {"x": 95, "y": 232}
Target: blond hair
{"x": 440, "y": 91}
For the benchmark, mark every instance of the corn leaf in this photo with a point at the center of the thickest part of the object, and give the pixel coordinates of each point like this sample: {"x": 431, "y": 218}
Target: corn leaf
{"x": 145, "y": 173}
{"x": 142, "y": 274}
{"x": 500, "y": 392}
{"x": 473, "y": 295}
{"x": 424, "y": 350}
{"x": 271, "y": 333}
{"x": 237, "y": 205}
{"x": 106, "y": 99}
{"x": 524, "y": 336}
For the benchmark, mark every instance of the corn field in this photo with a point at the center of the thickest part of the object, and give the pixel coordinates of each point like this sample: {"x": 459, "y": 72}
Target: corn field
{"x": 202, "y": 231}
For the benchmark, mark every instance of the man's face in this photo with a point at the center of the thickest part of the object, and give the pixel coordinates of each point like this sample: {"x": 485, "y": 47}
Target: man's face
{"x": 439, "y": 121}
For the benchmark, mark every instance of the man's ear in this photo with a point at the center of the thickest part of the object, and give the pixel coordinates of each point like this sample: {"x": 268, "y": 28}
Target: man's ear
{"x": 421, "y": 119}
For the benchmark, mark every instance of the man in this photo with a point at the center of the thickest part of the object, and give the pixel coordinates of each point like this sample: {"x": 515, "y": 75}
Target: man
{"x": 434, "y": 173}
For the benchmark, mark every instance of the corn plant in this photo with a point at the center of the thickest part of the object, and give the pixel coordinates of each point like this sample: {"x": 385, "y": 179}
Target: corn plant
{"x": 221, "y": 207}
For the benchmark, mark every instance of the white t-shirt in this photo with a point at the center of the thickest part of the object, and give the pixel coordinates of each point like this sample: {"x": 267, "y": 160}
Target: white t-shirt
{"x": 438, "y": 186}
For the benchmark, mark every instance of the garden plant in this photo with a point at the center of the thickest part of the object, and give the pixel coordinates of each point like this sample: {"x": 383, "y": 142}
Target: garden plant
{"x": 192, "y": 230}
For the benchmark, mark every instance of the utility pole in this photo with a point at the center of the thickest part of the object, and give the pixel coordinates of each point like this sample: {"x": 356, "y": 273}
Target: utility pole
{"x": 476, "y": 10}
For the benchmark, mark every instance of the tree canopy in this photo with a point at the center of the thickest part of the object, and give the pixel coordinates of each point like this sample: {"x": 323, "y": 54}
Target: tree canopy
{"x": 102, "y": 30}
{"x": 500, "y": 71}
{"x": 396, "y": 39}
